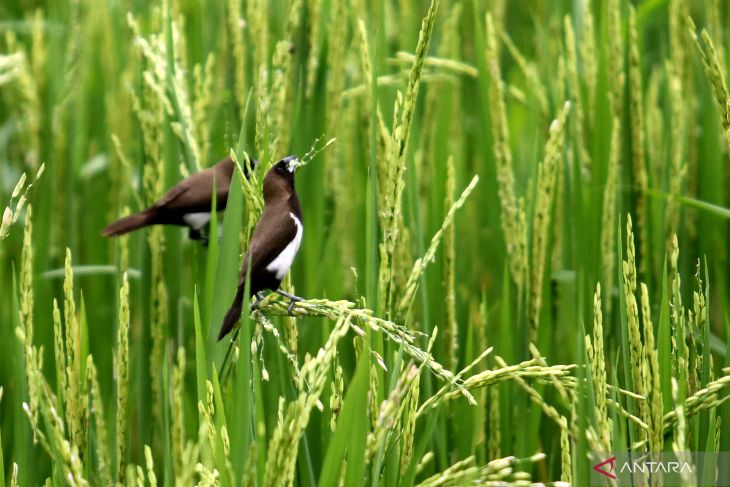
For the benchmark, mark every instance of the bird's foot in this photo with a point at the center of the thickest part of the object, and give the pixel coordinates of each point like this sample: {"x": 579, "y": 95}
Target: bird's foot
{"x": 259, "y": 297}
{"x": 292, "y": 299}
{"x": 194, "y": 234}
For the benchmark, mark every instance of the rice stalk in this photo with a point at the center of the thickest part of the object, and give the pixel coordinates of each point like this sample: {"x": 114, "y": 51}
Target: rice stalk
{"x": 697, "y": 317}
{"x": 74, "y": 396}
{"x": 615, "y": 56}
{"x": 597, "y": 360}
{"x": 26, "y": 299}
{"x": 165, "y": 81}
{"x": 151, "y": 117}
{"x": 545, "y": 194}
{"x": 651, "y": 378}
{"x": 678, "y": 164}
{"x": 125, "y": 178}
{"x": 178, "y": 440}
{"x": 39, "y": 49}
{"x": 534, "y": 83}
{"x": 486, "y": 378}
{"x": 336, "y": 55}
{"x": 290, "y": 355}
{"x": 515, "y": 234}
{"x": 680, "y": 351}
{"x": 203, "y": 79}
{"x": 391, "y": 218}
{"x": 535, "y": 397}
{"x": 608, "y": 214}
{"x": 409, "y": 422}
{"x": 215, "y": 433}
{"x": 282, "y": 83}
{"x": 55, "y": 442}
{"x": 373, "y": 395}
{"x": 443, "y": 62}
{"x": 495, "y": 434}
{"x": 207, "y": 478}
{"x": 121, "y": 375}
{"x": 678, "y": 11}
{"x": 257, "y": 15}
{"x": 487, "y": 417}
{"x": 566, "y": 464}
{"x": 151, "y": 477}
{"x": 281, "y": 458}
{"x": 236, "y": 25}
{"x": 655, "y": 132}
{"x": 398, "y": 334}
{"x": 391, "y": 412}
{"x": 636, "y": 107}
{"x": 14, "y": 476}
{"x": 714, "y": 72}
{"x": 679, "y": 445}
{"x": 501, "y": 471}
{"x": 23, "y": 93}
{"x": 451, "y": 339}
{"x": 97, "y": 411}
{"x": 314, "y": 21}
{"x": 420, "y": 265}
{"x": 10, "y": 64}
{"x": 575, "y": 94}
{"x": 715, "y": 23}
{"x": 588, "y": 56}
{"x": 158, "y": 319}
{"x": 384, "y": 135}
{"x": 450, "y": 68}
{"x": 11, "y": 214}
{"x": 249, "y": 476}
{"x": 59, "y": 351}
{"x": 338, "y": 392}
{"x": 540, "y": 360}
{"x": 636, "y": 346}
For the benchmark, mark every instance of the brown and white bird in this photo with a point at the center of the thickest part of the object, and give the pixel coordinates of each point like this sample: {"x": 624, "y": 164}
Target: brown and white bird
{"x": 275, "y": 240}
{"x": 188, "y": 203}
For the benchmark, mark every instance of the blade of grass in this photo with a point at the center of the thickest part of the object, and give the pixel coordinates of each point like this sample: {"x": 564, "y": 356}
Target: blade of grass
{"x": 348, "y": 438}
{"x": 243, "y": 398}
{"x": 227, "y": 266}
{"x": 709, "y": 208}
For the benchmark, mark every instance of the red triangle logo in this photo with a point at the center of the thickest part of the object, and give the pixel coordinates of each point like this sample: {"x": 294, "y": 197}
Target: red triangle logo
{"x": 608, "y": 470}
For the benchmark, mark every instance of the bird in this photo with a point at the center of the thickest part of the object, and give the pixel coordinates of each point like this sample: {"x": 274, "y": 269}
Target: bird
{"x": 274, "y": 243}
{"x": 188, "y": 203}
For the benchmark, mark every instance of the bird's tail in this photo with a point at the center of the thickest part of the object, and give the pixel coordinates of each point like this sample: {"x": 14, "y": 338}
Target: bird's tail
{"x": 129, "y": 223}
{"x": 233, "y": 314}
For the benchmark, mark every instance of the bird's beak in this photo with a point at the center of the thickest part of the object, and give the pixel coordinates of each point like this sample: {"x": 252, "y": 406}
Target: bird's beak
{"x": 292, "y": 163}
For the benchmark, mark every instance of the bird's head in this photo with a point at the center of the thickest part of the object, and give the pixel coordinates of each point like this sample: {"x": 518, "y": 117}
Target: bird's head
{"x": 279, "y": 181}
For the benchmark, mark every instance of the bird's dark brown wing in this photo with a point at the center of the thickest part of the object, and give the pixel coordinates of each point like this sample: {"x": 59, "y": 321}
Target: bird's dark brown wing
{"x": 272, "y": 234}
{"x": 193, "y": 192}
{"x": 196, "y": 190}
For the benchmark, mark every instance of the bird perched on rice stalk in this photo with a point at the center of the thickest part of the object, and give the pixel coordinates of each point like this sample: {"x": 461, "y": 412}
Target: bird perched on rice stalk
{"x": 274, "y": 243}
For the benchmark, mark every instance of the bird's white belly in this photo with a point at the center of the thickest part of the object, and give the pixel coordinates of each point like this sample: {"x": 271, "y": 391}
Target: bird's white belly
{"x": 282, "y": 263}
{"x": 196, "y": 221}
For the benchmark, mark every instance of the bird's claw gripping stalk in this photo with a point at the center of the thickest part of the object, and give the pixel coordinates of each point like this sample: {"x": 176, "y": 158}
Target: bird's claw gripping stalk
{"x": 292, "y": 299}
{"x": 259, "y": 297}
